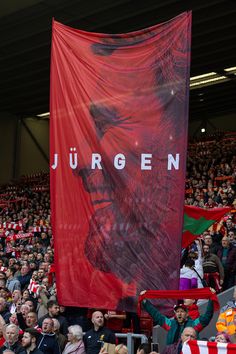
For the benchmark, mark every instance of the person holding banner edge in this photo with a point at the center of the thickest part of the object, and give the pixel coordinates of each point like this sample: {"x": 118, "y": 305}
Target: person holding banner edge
{"x": 175, "y": 326}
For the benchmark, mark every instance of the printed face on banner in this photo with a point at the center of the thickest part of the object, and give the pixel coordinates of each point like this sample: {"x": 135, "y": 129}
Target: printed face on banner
{"x": 130, "y": 183}
{"x": 131, "y": 137}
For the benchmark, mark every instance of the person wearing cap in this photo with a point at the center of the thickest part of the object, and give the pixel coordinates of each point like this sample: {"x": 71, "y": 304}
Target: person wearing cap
{"x": 175, "y": 326}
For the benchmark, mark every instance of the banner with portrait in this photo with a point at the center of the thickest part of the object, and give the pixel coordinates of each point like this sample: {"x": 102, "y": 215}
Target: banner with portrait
{"x": 118, "y": 136}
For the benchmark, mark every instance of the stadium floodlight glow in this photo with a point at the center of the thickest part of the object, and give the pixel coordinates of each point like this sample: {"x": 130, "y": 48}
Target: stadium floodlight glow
{"x": 210, "y": 81}
{"x": 202, "y": 76}
{"x": 41, "y": 115}
{"x": 231, "y": 70}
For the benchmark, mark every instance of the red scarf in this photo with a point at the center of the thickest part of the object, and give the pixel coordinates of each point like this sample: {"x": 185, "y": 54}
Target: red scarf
{"x": 203, "y": 293}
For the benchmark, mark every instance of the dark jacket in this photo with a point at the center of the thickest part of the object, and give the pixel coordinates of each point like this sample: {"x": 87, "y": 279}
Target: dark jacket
{"x": 24, "y": 280}
{"x": 5, "y": 315}
{"x": 62, "y": 340}
{"x": 171, "y": 324}
{"x": 230, "y": 265}
{"x": 36, "y": 351}
{"x": 175, "y": 348}
{"x": 48, "y": 344}
{"x": 93, "y": 339}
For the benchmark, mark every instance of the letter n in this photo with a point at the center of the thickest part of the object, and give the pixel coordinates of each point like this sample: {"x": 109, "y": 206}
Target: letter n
{"x": 173, "y": 162}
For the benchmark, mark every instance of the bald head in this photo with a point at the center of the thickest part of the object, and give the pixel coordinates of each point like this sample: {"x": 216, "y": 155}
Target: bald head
{"x": 188, "y": 333}
{"x": 97, "y": 320}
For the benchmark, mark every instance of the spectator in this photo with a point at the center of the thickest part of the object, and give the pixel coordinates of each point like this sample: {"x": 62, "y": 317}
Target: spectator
{"x": 4, "y": 312}
{"x": 222, "y": 337}
{"x": 75, "y": 343}
{"x": 226, "y": 319}
{"x": 41, "y": 274}
{"x": 208, "y": 241}
{"x": 16, "y": 300}
{"x": 17, "y": 267}
{"x": 3, "y": 279}
{"x": 53, "y": 312}
{"x": 176, "y": 348}
{"x": 13, "y": 319}
{"x": 25, "y": 295}
{"x": 227, "y": 256}
{"x": 211, "y": 204}
{"x": 232, "y": 238}
{"x": 25, "y": 276}
{"x": 30, "y": 303}
{"x": 24, "y": 309}
{"x": 94, "y": 337}
{"x": 12, "y": 283}
{"x": 192, "y": 308}
{"x": 188, "y": 277}
{"x": 61, "y": 339}
{"x": 30, "y": 321}
{"x": 213, "y": 269}
{"x": 47, "y": 340}
{"x": 175, "y": 326}
{"x": 29, "y": 341}
{"x": 12, "y": 336}
{"x": 5, "y": 293}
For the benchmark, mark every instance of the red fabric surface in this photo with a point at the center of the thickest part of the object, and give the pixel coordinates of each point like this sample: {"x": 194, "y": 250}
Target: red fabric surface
{"x": 115, "y": 220}
{"x": 197, "y": 213}
{"x": 203, "y": 293}
{"x": 209, "y": 214}
{"x": 204, "y": 347}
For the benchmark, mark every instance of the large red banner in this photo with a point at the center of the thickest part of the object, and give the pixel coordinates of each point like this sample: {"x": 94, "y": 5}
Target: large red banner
{"x": 118, "y": 134}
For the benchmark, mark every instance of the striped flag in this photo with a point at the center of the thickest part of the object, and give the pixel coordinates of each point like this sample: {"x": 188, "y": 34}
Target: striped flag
{"x": 203, "y": 347}
{"x": 197, "y": 220}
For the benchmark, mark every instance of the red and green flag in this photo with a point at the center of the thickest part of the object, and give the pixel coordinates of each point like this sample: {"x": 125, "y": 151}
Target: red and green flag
{"x": 198, "y": 220}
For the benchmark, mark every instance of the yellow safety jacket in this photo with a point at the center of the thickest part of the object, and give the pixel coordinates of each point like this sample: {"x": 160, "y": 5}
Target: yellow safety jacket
{"x": 227, "y": 321}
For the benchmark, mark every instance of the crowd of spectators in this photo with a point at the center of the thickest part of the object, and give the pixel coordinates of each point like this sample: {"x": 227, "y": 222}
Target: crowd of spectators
{"x": 28, "y": 294}
{"x": 210, "y": 183}
{"x": 211, "y": 172}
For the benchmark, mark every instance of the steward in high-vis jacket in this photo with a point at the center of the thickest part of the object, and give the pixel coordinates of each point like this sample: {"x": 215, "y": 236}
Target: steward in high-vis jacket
{"x": 226, "y": 320}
